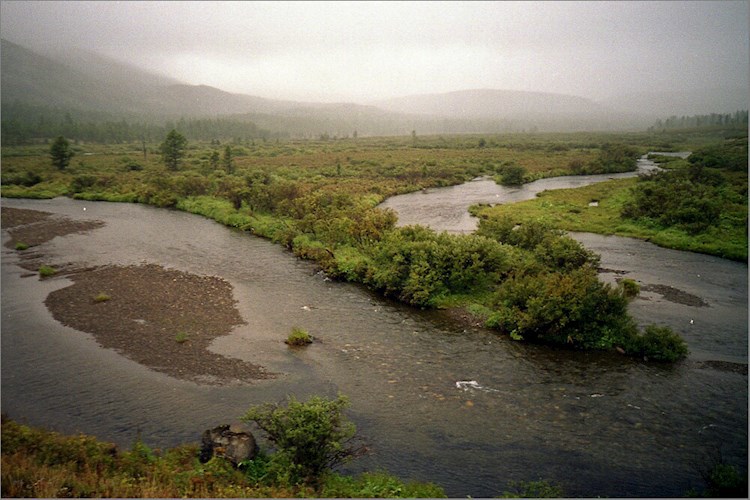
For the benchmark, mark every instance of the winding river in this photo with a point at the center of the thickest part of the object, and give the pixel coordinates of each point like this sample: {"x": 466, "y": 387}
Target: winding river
{"x": 463, "y": 407}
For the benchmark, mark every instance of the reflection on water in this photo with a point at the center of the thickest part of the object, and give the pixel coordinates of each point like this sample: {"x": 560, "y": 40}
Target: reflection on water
{"x": 597, "y": 423}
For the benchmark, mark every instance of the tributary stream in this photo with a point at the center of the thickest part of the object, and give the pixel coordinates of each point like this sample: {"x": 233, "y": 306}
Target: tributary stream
{"x": 462, "y": 407}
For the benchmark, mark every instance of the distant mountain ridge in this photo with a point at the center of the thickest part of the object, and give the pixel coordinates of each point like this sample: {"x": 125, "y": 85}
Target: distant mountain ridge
{"x": 489, "y": 103}
{"x": 81, "y": 80}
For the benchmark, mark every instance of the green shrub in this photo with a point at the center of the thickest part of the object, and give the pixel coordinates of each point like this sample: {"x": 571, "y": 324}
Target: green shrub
{"x": 419, "y": 266}
{"x": 730, "y": 155}
{"x": 299, "y": 337}
{"x": 692, "y": 199}
{"x": 310, "y": 438}
{"x": 630, "y": 288}
{"x": 21, "y": 246}
{"x": 82, "y": 182}
{"x": 724, "y": 481}
{"x": 351, "y": 264}
{"x": 572, "y": 308}
{"x": 563, "y": 253}
{"x": 28, "y": 178}
{"x": 102, "y": 297}
{"x": 181, "y": 337}
{"x": 46, "y": 271}
{"x": 512, "y": 175}
{"x": 659, "y": 343}
{"x": 136, "y": 462}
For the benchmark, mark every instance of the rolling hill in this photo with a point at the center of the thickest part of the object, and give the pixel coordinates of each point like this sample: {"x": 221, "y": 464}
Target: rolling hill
{"x": 83, "y": 81}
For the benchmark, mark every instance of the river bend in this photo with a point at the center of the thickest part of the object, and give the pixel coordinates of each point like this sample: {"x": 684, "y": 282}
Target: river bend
{"x": 462, "y": 407}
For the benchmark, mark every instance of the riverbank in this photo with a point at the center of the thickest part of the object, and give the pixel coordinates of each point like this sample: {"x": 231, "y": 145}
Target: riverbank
{"x": 597, "y": 209}
{"x": 38, "y": 463}
{"x": 162, "y": 318}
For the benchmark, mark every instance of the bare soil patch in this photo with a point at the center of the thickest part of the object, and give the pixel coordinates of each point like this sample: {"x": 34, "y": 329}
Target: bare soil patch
{"x": 35, "y": 227}
{"x": 162, "y": 318}
{"x": 675, "y": 295}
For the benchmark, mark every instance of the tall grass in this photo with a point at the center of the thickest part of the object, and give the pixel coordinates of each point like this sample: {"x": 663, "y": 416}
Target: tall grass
{"x": 41, "y": 464}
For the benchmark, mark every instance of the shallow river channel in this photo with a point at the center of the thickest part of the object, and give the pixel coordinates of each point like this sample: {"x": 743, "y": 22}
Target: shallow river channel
{"x": 596, "y": 423}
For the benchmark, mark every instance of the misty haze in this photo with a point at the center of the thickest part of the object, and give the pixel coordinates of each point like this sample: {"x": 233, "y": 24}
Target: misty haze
{"x": 390, "y": 249}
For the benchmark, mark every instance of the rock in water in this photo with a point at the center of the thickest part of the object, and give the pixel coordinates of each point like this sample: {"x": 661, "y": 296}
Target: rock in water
{"x": 234, "y": 442}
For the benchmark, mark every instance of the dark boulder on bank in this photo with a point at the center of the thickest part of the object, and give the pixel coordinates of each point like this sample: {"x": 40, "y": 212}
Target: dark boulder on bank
{"x": 234, "y": 442}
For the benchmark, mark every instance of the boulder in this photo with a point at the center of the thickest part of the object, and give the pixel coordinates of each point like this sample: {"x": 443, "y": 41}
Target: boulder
{"x": 233, "y": 442}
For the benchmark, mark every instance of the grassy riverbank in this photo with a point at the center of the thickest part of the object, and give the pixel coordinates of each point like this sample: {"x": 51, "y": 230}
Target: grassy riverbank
{"x": 319, "y": 199}
{"x": 37, "y": 463}
{"x": 709, "y": 214}
{"x": 597, "y": 209}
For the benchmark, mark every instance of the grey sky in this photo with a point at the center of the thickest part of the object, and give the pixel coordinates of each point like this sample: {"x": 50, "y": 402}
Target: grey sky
{"x": 368, "y": 50}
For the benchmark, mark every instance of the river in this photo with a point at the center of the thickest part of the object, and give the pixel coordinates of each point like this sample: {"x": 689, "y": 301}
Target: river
{"x": 597, "y": 423}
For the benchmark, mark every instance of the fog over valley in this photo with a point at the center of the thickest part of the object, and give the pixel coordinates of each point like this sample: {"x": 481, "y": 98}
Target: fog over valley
{"x": 409, "y": 249}
{"x": 380, "y": 68}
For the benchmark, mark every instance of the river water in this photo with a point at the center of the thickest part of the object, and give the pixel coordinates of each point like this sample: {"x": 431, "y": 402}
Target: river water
{"x": 597, "y": 423}
{"x": 447, "y": 209}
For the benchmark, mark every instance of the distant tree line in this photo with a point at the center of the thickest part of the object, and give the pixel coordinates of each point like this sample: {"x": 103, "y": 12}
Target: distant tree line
{"x": 716, "y": 120}
{"x": 25, "y": 124}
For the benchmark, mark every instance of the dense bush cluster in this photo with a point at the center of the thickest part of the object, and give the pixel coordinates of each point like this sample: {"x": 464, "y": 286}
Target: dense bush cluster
{"x": 28, "y": 178}
{"x": 731, "y": 155}
{"x": 613, "y": 157}
{"x": 532, "y": 282}
{"x": 555, "y": 296}
{"x": 419, "y": 266}
{"x": 697, "y": 197}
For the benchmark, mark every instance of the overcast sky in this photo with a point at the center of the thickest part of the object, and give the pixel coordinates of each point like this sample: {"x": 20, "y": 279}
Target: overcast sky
{"x": 362, "y": 51}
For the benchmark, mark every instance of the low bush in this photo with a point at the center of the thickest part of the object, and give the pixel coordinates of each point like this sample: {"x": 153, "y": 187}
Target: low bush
{"x": 47, "y": 271}
{"x": 420, "y": 267}
{"x": 630, "y": 288}
{"x": 659, "y": 343}
{"x": 512, "y": 175}
{"x": 310, "y": 438}
{"x": 725, "y": 481}
{"x": 729, "y": 155}
{"x": 299, "y": 337}
{"x": 27, "y": 179}
{"x": 696, "y": 198}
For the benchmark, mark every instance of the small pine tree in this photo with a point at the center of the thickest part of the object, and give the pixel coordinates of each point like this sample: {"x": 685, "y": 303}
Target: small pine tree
{"x": 228, "y": 163}
{"x": 61, "y": 153}
{"x": 214, "y": 160}
{"x": 173, "y": 149}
